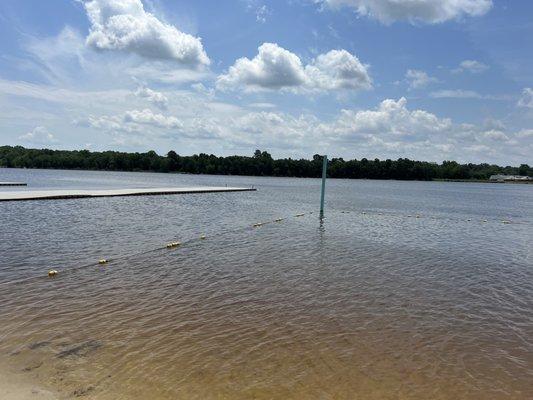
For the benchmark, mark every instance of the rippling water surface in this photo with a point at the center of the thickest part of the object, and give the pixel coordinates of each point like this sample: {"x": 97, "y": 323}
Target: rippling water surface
{"x": 406, "y": 290}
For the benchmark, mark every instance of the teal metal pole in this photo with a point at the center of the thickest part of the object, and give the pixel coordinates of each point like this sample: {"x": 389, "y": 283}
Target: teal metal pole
{"x": 324, "y": 172}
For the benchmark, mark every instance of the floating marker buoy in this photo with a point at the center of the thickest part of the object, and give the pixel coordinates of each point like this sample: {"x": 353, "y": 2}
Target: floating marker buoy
{"x": 52, "y": 273}
{"x": 278, "y": 219}
{"x": 102, "y": 261}
{"x": 173, "y": 244}
{"x": 484, "y": 220}
{"x": 257, "y": 224}
{"x": 202, "y": 236}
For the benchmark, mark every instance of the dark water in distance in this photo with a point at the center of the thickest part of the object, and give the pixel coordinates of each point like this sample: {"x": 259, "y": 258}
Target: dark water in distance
{"x": 406, "y": 290}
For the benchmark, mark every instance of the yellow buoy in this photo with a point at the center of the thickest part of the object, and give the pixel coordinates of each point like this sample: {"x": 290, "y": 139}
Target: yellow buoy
{"x": 173, "y": 244}
{"x": 52, "y": 273}
{"x": 102, "y": 261}
{"x": 202, "y": 236}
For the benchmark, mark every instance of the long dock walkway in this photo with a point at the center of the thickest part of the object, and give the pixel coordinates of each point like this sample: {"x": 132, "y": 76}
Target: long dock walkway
{"x": 76, "y": 194}
{"x": 13, "y": 184}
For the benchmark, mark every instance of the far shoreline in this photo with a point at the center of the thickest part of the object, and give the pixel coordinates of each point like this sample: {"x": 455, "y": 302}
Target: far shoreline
{"x": 272, "y": 176}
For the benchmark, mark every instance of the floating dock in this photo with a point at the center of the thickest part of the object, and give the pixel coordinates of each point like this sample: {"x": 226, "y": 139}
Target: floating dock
{"x": 13, "y": 184}
{"x": 78, "y": 194}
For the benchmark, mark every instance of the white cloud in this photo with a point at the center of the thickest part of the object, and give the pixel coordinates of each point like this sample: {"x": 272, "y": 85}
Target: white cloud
{"x": 525, "y": 133}
{"x": 277, "y": 68}
{"x": 273, "y": 68}
{"x": 202, "y": 89}
{"x": 262, "y": 105}
{"x": 456, "y": 94}
{"x": 260, "y": 10}
{"x": 495, "y": 134}
{"x": 392, "y": 117}
{"x": 338, "y": 69}
{"x": 125, "y": 25}
{"x": 147, "y": 117}
{"x": 107, "y": 123}
{"x": 527, "y": 98}
{"x": 157, "y": 98}
{"x": 261, "y": 13}
{"x": 428, "y": 11}
{"x": 471, "y": 66}
{"x": 417, "y": 79}
{"x": 130, "y": 121}
{"x": 467, "y": 94}
{"x": 39, "y": 135}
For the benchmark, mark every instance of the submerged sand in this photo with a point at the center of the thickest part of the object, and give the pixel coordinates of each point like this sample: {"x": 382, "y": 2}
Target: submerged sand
{"x": 18, "y": 386}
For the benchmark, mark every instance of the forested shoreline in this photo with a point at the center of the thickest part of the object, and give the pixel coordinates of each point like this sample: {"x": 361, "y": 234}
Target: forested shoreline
{"x": 260, "y": 163}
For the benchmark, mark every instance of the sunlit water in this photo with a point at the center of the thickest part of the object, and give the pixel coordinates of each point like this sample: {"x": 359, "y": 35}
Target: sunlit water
{"x": 406, "y": 290}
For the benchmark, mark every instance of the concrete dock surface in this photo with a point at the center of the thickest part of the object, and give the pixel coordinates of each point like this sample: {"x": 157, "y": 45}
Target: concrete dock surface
{"x": 80, "y": 193}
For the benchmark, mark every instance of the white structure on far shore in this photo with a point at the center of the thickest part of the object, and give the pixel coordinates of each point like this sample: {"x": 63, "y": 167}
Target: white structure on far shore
{"x": 503, "y": 178}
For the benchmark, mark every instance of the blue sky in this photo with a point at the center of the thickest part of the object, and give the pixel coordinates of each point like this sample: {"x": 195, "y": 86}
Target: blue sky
{"x": 424, "y": 79}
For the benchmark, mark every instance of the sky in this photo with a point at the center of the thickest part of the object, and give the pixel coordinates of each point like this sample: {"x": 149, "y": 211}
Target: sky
{"x": 429, "y": 80}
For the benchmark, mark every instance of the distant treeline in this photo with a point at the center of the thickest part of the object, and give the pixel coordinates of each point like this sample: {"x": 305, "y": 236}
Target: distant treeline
{"x": 260, "y": 164}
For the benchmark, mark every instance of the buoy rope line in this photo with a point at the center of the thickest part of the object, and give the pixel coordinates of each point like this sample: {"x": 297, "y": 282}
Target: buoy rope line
{"x": 174, "y": 244}
{"x": 423, "y": 216}
{"x": 52, "y": 273}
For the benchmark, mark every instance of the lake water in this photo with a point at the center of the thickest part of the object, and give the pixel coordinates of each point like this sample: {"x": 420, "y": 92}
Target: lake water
{"x": 406, "y": 290}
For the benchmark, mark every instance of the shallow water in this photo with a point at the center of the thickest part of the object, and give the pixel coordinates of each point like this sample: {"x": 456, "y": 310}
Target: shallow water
{"x": 406, "y": 290}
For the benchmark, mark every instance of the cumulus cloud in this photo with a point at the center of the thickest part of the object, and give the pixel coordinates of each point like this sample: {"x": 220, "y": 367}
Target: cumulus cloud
{"x": 527, "y": 98}
{"x": 125, "y": 25}
{"x": 472, "y": 66}
{"x": 273, "y": 68}
{"x": 154, "y": 97}
{"x": 338, "y": 69}
{"x": 417, "y": 79}
{"x": 391, "y": 117}
{"x": 39, "y": 135}
{"x": 277, "y": 68}
{"x": 413, "y": 11}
